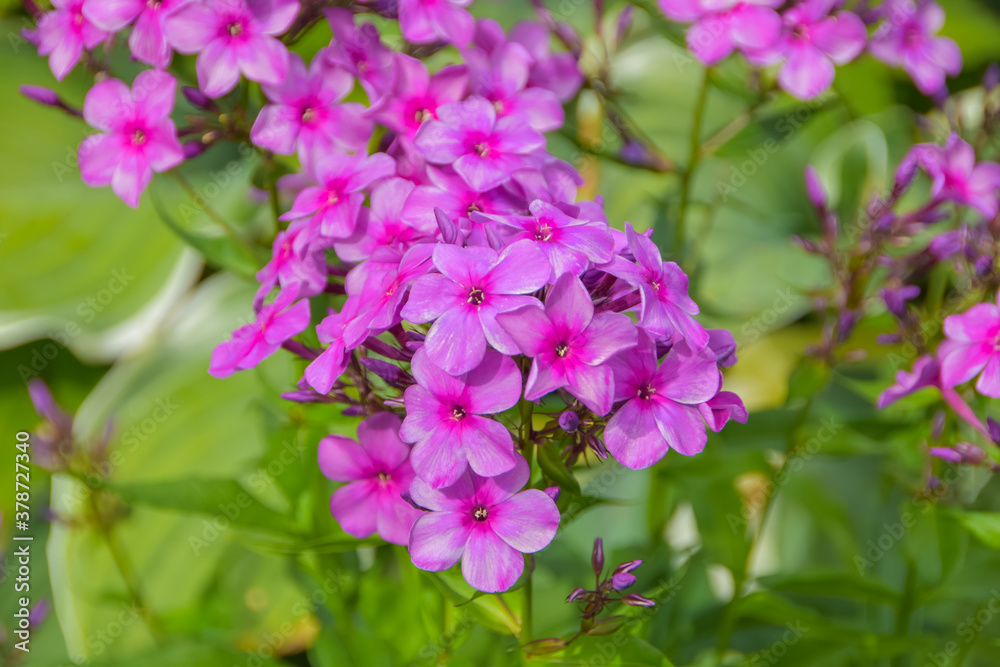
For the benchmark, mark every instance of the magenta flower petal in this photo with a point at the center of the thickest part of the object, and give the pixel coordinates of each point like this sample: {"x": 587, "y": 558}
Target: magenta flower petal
{"x": 218, "y": 68}
{"x": 107, "y": 105}
{"x": 528, "y": 521}
{"x": 351, "y": 506}
{"x": 488, "y": 446}
{"x": 438, "y": 539}
{"x": 633, "y": 437}
{"x": 342, "y": 460}
{"x": 681, "y": 427}
{"x": 989, "y": 382}
{"x": 489, "y": 564}
{"x": 807, "y": 72}
{"x": 263, "y": 59}
{"x": 493, "y": 386}
{"x": 380, "y": 435}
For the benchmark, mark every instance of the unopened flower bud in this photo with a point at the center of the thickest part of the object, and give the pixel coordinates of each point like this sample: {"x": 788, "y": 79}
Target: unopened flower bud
{"x": 624, "y": 23}
{"x": 970, "y": 453}
{"x": 597, "y": 557}
{"x": 991, "y": 77}
{"x": 638, "y": 600}
{"x": 199, "y": 99}
{"x": 994, "y": 429}
{"x": 814, "y": 188}
{"x": 569, "y": 421}
{"x": 946, "y": 454}
{"x": 577, "y": 594}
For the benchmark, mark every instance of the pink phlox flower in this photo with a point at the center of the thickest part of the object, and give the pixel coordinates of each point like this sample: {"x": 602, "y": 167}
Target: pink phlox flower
{"x": 359, "y": 50}
{"x": 569, "y": 344}
{"x": 558, "y": 72}
{"x": 449, "y": 192}
{"x": 722, "y": 26}
{"x": 148, "y": 41}
{"x": 812, "y": 42}
{"x": 907, "y": 38}
{"x": 383, "y": 282}
{"x": 446, "y": 418}
{"x": 926, "y": 373}
{"x": 415, "y": 95}
{"x": 252, "y": 343}
{"x": 485, "y": 523}
{"x": 568, "y": 243}
{"x": 718, "y": 410}
{"x": 666, "y": 308}
{"x": 335, "y": 330}
{"x": 378, "y": 470}
{"x": 138, "y": 137}
{"x": 64, "y": 33}
{"x": 426, "y": 21}
{"x": 385, "y": 224}
{"x": 482, "y": 149}
{"x": 233, "y": 37}
{"x": 501, "y": 77}
{"x": 305, "y": 114}
{"x": 972, "y": 348}
{"x": 333, "y": 206}
{"x": 473, "y": 286}
{"x": 956, "y": 176}
{"x": 661, "y": 402}
{"x": 303, "y": 269}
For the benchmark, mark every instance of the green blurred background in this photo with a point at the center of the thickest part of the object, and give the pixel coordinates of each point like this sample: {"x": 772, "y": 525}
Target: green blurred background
{"x": 281, "y": 584}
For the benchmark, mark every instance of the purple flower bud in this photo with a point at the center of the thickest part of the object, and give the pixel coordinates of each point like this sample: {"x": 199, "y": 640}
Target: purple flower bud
{"x": 946, "y": 454}
{"x": 970, "y": 453}
{"x": 597, "y": 557}
{"x": 937, "y": 424}
{"x": 905, "y": 173}
{"x": 994, "y": 429}
{"x": 628, "y": 566}
{"x": 622, "y": 580}
{"x": 38, "y": 613}
{"x": 984, "y": 265}
{"x": 806, "y": 244}
{"x": 638, "y": 600}
{"x": 569, "y": 421}
{"x": 199, "y": 99}
{"x": 946, "y": 244}
{"x": 45, "y": 404}
{"x": 30, "y": 36}
{"x": 307, "y": 396}
{"x": 723, "y": 344}
{"x": 991, "y": 77}
{"x": 596, "y": 445}
{"x": 624, "y": 23}
{"x": 895, "y": 299}
{"x": 845, "y": 325}
{"x": 40, "y": 94}
{"x": 449, "y": 230}
{"x": 353, "y": 411}
{"x": 553, "y": 492}
{"x": 193, "y": 149}
{"x": 814, "y": 188}
{"x": 577, "y": 594}
{"x": 393, "y": 375}
{"x": 888, "y": 339}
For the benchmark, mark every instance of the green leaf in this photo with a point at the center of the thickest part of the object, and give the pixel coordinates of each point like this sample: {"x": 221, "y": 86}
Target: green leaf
{"x": 809, "y": 378}
{"x": 831, "y": 584}
{"x": 555, "y": 469}
{"x": 984, "y": 525}
{"x": 223, "y": 499}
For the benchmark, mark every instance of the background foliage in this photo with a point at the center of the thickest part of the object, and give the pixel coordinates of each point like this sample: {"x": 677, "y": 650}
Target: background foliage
{"x": 806, "y": 537}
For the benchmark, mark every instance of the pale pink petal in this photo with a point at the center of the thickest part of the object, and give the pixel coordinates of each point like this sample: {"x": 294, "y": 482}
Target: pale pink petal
{"x": 355, "y": 507}
{"x": 488, "y": 563}
{"x": 528, "y": 521}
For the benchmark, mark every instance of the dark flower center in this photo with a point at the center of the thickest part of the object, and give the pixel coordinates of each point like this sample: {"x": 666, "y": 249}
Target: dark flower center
{"x": 480, "y": 513}
{"x": 562, "y": 349}
{"x": 234, "y": 29}
{"x": 476, "y": 296}
{"x": 646, "y": 393}
{"x": 458, "y": 412}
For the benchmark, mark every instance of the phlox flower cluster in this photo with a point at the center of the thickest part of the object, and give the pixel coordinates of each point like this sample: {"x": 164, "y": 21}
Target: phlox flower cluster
{"x": 808, "y": 39}
{"x": 444, "y": 282}
{"x": 960, "y": 187}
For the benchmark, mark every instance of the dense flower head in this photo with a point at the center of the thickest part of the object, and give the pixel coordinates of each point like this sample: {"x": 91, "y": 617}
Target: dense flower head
{"x": 907, "y": 38}
{"x": 138, "y": 137}
{"x": 434, "y": 268}
{"x": 64, "y": 33}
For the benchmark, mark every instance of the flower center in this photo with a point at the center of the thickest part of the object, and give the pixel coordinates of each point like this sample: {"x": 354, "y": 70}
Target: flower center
{"x": 384, "y": 477}
{"x": 78, "y": 18}
{"x": 138, "y": 137}
{"x": 646, "y": 393}
{"x": 481, "y": 149}
{"x": 480, "y": 513}
{"x": 473, "y": 208}
{"x": 422, "y": 115}
{"x": 154, "y": 4}
{"x": 498, "y": 105}
{"x": 308, "y": 114}
{"x": 562, "y": 349}
{"x": 543, "y": 233}
{"x": 476, "y": 296}
{"x": 234, "y": 29}
{"x": 458, "y": 412}
{"x": 332, "y": 199}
